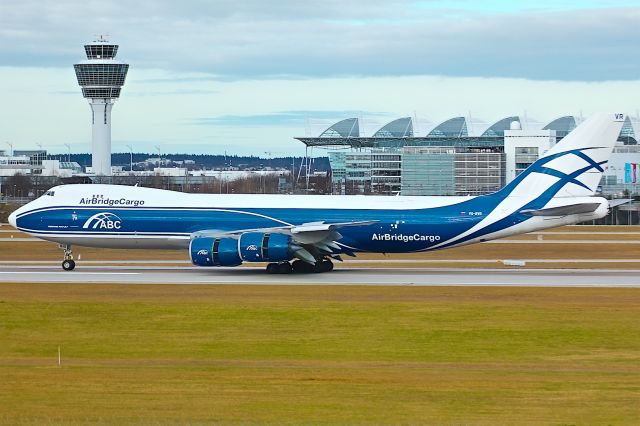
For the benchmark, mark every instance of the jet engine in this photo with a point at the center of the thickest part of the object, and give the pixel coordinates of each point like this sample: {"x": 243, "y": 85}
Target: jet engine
{"x": 248, "y": 247}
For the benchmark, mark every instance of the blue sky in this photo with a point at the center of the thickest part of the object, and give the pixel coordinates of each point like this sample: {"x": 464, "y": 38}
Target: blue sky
{"x": 247, "y": 76}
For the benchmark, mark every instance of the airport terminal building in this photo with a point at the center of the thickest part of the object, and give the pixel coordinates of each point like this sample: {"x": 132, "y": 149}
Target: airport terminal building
{"x": 458, "y": 156}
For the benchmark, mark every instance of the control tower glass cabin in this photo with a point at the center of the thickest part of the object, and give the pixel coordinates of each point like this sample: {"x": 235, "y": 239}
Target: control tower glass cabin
{"x": 101, "y": 78}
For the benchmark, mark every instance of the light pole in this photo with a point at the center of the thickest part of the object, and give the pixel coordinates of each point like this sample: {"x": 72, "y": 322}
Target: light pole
{"x": 41, "y": 156}
{"x": 69, "y": 149}
{"x": 10, "y": 146}
{"x": 131, "y": 158}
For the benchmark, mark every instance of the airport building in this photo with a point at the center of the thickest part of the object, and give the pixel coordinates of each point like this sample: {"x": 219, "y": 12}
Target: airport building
{"x": 35, "y": 163}
{"x": 458, "y": 156}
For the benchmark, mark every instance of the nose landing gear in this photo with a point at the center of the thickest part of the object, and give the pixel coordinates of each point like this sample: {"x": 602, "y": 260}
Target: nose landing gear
{"x": 68, "y": 264}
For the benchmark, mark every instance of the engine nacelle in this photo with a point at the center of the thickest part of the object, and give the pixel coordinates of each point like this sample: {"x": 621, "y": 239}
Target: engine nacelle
{"x": 208, "y": 251}
{"x": 264, "y": 247}
{"x": 249, "y": 247}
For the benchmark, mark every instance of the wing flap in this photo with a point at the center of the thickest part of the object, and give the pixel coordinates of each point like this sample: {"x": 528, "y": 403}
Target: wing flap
{"x": 293, "y": 230}
{"x": 323, "y": 226}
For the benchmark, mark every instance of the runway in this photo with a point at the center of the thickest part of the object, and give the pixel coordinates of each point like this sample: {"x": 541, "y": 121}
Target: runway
{"x": 347, "y": 276}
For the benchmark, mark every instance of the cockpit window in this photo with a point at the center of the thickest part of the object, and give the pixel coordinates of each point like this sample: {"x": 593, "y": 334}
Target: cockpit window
{"x": 50, "y": 193}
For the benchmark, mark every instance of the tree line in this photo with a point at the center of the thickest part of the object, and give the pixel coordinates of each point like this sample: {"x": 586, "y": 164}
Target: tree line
{"x": 204, "y": 161}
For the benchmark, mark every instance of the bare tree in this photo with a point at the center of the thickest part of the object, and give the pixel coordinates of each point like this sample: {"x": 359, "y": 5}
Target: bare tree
{"x": 18, "y": 185}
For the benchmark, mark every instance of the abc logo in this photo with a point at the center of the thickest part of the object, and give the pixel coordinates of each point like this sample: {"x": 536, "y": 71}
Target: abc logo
{"x": 105, "y": 220}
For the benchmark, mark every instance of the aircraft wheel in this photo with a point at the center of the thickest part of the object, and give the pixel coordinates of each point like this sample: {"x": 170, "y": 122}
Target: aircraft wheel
{"x": 68, "y": 265}
{"x": 284, "y": 268}
{"x": 301, "y": 267}
{"x": 272, "y": 268}
{"x": 323, "y": 266}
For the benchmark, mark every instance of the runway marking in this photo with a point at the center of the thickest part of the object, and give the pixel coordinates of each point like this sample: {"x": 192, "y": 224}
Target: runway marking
{"x": 67, "y": 272}
{"x": 354, "y": 276}
{"x": 562, "y": 242}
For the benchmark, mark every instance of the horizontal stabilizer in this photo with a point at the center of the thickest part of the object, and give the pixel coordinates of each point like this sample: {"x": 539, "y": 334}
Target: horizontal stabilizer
{"x": 619, "y": 202}
{"x": 580, "y": 208}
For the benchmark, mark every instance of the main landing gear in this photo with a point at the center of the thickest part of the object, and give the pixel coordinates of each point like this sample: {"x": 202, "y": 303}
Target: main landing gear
{"x": 300, "y": 267}
{"x": 68, "y": 264}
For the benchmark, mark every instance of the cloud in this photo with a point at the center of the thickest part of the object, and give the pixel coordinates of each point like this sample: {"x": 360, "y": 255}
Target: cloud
{"x": 178, "y": 91}
{"x": 285, "y": 118}
{"x": 254, "y": 39}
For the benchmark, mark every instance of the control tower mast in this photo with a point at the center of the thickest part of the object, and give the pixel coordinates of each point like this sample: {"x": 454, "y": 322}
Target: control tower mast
{"x": 101, "y": 77}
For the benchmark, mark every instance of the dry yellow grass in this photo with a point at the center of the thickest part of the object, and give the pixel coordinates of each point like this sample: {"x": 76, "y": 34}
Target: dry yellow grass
{"x": 44, "y": 251}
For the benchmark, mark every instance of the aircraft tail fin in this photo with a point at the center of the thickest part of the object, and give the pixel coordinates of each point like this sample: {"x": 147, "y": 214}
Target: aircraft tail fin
{"x": 574, "y": 166}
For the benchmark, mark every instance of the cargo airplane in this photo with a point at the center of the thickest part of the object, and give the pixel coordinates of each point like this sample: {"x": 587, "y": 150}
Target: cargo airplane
{"x": 304, "y": 233}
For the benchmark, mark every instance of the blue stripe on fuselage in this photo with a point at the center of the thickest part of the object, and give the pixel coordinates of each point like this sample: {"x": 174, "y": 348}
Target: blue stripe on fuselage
{"x": 393, "y": 231}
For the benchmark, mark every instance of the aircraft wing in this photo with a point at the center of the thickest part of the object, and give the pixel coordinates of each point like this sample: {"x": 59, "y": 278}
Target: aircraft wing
{"x": 309, "y": 239}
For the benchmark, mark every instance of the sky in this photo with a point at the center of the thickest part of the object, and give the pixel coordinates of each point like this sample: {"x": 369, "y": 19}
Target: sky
{"x": 245, "y": 77}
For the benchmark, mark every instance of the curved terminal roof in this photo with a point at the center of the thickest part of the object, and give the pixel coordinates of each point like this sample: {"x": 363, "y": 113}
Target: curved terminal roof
{"x": 400, "y": 128}
{"x": 397, "y": 133}
{"x": 562, "y": 125}
{"x": 348, "y": 128}
{"x": 452, "y": 128}
{"x": 629, "y": 133}
{"x": 497, "y": 129}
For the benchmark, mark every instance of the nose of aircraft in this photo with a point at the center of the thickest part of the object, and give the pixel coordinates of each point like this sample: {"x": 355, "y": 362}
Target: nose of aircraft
{"x": 12, "y": 219}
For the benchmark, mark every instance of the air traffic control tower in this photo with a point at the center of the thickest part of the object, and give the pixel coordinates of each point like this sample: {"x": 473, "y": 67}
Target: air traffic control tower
{"x": 101, "y": 78}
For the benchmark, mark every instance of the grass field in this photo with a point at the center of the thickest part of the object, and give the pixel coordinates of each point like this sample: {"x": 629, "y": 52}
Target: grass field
{"x": 307, "y": 354}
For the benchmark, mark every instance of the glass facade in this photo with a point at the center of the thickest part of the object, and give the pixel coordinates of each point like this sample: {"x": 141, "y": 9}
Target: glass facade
{"x": 348, "y": 128}
{"x": 400, "y": 128}
{"x": 627, "y": 134}
{"x": 386, "y": 170}
{"x": 101, "y": 51}
{"x": 36, "y": 156}
{"x": 101, "y": 74}
{"x": 498, "y": 128}
{"x": 479, "y": 172}
{"x": 452, "y": 128}
{"x": 428, "y": 171}
{"x": 101, "y": 92}
{"x": 525, "y": 156}
{"x": 562, "y": 126}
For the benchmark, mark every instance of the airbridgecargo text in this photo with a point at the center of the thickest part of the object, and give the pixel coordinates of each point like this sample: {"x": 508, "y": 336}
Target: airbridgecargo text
{"x": 101, "y": 201}
{"x": 405, "y": 238}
